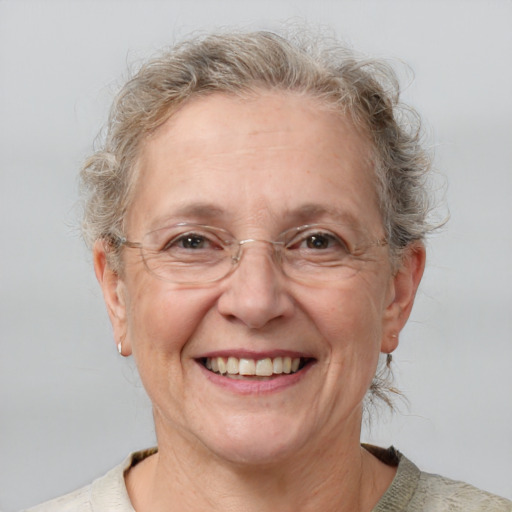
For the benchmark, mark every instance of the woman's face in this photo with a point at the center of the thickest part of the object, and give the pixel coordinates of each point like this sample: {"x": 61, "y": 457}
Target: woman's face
{"x": 256, "y": 168}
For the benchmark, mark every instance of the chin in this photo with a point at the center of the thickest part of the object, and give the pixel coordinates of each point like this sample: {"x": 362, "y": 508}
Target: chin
{"x": 254, "y": 441}
{"x": 255, "y": 453}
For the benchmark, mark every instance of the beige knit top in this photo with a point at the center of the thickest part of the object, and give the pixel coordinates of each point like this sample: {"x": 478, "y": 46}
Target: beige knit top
{"x": 411, "y": 491}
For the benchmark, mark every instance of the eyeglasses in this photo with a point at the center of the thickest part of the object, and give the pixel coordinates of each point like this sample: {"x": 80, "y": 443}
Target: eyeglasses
{"x": 195, "y": 254}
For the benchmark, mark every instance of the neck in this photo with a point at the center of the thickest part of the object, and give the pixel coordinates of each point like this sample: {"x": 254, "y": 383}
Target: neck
{"x": 335, "y": 476}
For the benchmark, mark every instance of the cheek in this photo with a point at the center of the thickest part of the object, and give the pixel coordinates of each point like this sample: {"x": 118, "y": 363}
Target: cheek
{"x": 161, "y": 319}
{"x": 349, "y": 319}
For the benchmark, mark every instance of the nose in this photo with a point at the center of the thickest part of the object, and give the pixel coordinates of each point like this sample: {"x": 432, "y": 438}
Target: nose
{"x": 255, "y": 293}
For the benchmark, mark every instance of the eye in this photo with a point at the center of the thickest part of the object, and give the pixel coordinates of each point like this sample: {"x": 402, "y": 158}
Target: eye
{"x": 319, "y": 241}
{"x": 192, "y": 242}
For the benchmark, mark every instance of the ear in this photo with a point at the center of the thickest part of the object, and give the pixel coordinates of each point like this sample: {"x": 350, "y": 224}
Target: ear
{"x": 403, "y": 286}
{"x": 114, "y": 294}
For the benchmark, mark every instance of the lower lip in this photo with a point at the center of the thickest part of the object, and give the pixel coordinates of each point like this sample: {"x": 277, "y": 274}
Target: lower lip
{"x": 256, "y": 387}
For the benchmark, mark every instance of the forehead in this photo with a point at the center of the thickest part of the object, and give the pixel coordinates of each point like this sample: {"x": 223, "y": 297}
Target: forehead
{"x": 225, "y": 121}
{"x": 271, "y": 153}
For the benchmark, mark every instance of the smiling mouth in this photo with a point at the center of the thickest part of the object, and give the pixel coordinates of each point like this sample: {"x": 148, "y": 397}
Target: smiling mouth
{"x": 241, "y": 368}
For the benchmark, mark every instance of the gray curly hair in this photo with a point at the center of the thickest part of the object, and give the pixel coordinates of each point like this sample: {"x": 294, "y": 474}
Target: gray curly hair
{"x": 237, "y": 63}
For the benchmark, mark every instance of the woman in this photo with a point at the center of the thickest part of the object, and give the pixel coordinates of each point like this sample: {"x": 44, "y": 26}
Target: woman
{"x": 257, "y": 218}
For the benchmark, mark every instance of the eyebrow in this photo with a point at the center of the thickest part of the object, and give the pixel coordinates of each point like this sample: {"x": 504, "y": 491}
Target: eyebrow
{"x": 202, "y": 211}
{"x": 205, "y": 212}
{"x": 312, "y": 211}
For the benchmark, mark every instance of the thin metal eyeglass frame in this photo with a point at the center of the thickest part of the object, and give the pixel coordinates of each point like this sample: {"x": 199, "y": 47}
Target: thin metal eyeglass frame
{"x": 236, "y": 257}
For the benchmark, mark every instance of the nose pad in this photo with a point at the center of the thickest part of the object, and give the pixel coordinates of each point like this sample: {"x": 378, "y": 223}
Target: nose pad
{"x": 254, "y": 292}
{"x": 275, "y": 247}
{"x": 255, "y": 257}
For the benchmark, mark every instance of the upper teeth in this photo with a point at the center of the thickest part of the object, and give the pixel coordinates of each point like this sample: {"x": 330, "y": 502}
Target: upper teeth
{"x": 260, "y": 367}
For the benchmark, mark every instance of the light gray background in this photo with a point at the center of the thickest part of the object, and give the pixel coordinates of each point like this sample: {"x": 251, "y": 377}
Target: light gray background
{"x": 70, "y": 406}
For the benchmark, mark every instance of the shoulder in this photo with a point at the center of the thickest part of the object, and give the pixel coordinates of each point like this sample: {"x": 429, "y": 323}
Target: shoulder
{"x": 436, "y": 492}
{"x": 413, "y": 490}
{"x": 106, "y": 493}
{"x": 77, "y": 501}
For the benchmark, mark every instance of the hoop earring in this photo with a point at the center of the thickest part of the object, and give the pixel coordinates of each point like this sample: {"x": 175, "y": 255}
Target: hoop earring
{"x": 120, "y": 348}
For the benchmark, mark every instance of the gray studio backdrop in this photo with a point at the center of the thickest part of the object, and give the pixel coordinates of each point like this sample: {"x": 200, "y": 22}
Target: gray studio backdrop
{"x": 71, "y": 408}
